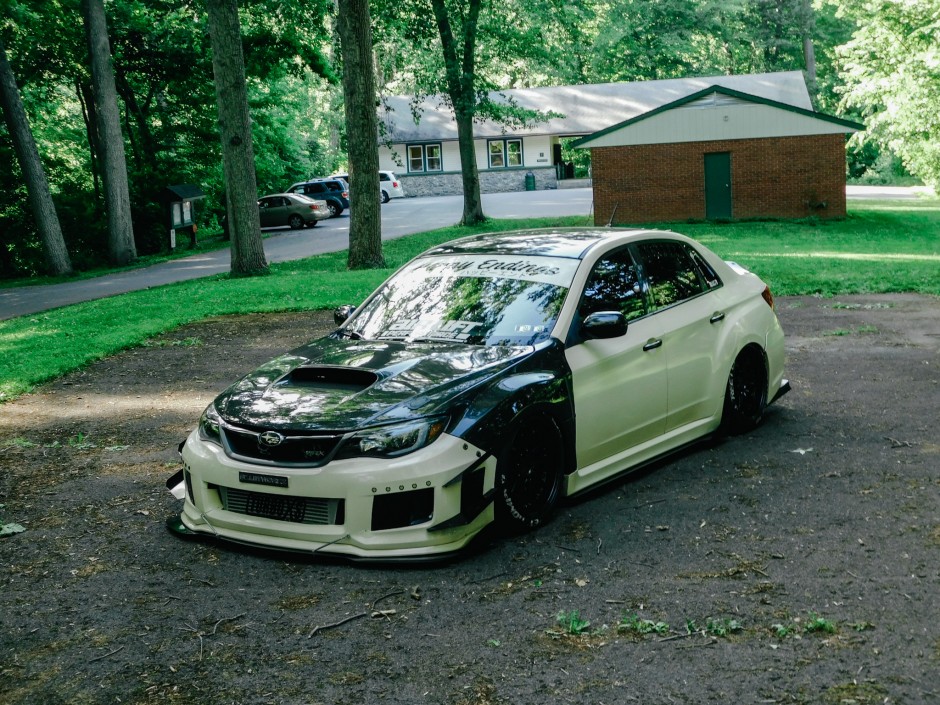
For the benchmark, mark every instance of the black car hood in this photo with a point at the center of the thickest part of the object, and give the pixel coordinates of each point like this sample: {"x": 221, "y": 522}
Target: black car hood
{"x": 341, "y": 384}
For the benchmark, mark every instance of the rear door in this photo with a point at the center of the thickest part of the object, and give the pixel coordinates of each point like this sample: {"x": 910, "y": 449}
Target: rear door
{"x": 685, "y": 296}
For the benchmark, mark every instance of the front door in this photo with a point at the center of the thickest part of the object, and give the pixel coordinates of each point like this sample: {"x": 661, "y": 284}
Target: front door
{"x": 718, "y": 186}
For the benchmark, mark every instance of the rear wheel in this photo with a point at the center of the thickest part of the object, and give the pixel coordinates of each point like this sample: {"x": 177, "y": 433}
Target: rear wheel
{"x": 529, "y": 474}
{"x": 746, "y": 393}
{"x": 335, "y": 210}
{"x": 385, "y": 197}
{"x": 295, "y": 222}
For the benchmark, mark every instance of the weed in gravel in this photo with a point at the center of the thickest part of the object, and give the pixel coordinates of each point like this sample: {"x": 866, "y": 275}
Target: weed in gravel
{"x": 17, "y": 443}
{"x": 819, "y": 624}
{"x": 722, "y": 627}
{"x": 632, "y": 624}
{"x": 572, "y": 623}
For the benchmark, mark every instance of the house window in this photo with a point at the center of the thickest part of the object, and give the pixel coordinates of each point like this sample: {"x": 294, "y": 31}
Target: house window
{"x": 505, "y": 153}
{"x": 424, "y": 157}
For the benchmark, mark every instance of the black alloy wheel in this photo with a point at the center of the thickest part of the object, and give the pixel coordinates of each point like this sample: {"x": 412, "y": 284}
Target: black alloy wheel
{"x": 295, "y": 222}
{"x": 529, "y": 474}
{"x": 746, "y": 393}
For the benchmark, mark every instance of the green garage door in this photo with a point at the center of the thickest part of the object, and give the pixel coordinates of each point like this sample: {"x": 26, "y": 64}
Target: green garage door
{"x": 718, "y": 186}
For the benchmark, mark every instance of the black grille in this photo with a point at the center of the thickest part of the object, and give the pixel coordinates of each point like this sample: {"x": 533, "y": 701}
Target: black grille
{"x": 301, "y": 451}
{"x": 300, "y": 510}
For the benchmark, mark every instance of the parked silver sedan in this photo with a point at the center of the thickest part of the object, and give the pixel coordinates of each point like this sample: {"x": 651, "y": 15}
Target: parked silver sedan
{"x": 293, "y": 209}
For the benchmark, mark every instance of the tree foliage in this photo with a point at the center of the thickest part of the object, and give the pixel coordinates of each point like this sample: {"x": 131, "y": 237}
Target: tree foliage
{"x": 892, "y": 77}
{"x": 884, "y": 74}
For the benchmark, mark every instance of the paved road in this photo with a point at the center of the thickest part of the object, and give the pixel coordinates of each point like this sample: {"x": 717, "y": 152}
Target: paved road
{"x": 399, "y": 217}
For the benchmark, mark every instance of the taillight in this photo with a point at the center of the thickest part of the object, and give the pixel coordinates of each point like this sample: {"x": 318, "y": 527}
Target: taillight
{"x": 394, "y": 184}
{"x": 314, "y": 207}
{"x": 346, "y": 194}
{"x": 768, "y": 296}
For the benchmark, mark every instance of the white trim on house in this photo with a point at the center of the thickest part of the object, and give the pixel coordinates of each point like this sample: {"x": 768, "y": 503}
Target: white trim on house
{"x": 708, "y": 119}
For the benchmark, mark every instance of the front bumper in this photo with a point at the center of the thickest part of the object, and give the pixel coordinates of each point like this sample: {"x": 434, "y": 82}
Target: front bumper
{"x": 428, "y": 503}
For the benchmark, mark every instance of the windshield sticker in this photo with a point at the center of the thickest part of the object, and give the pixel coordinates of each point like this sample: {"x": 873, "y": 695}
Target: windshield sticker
{"x": 453, "y": 330}
{"x": 549, "y": 270}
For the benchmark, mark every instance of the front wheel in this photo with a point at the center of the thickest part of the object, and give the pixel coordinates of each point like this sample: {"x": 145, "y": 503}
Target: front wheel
{"x": 745, "y": 394}
{"x": 529, "y": 475}
{"x": 295, "y": 222}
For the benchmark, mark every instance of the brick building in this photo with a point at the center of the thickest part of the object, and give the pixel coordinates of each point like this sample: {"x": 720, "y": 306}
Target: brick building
{"x": 719, "y": 154}
{"x": 647, "y": 139}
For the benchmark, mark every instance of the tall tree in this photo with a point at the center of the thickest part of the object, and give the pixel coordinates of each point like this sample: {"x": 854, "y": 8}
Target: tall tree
{"x": 121, "y": 247}
{"x": 354, "y": 24}
{"x": 37, "y": 188}
{"x": 460, "y": 71}
{"x": 891, "y": 77}
{"x": 238, "y": 161}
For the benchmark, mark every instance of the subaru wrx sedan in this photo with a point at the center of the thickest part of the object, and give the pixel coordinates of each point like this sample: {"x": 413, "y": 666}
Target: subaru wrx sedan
{"x": 482, "y": 383}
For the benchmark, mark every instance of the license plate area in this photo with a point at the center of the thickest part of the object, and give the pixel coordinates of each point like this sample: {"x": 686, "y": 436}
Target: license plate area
{"x": 275, "y": 507}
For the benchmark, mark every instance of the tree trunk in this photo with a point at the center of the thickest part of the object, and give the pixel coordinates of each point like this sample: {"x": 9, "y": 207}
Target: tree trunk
{"x": 121, "y": 248}
{"x": 460, "y": 86}
{"x": 808, "y": 22}
{"x": 365, "y": 222}
{"x": 37, "y": 187}
{"x": 238, "y": 159}
{"x": 470, "y": 177}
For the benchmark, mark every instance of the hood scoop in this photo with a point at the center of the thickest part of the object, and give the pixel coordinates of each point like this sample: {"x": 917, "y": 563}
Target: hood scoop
{"x": 345, "y": 379}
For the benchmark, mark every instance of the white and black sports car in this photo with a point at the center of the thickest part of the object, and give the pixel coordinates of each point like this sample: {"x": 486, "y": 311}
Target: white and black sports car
{"x": 485, "y": 380}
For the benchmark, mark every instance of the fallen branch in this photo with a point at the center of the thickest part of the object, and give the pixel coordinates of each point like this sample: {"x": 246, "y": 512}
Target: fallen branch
{"x": 104, "y": 656}
{"x": 359, "y": 615}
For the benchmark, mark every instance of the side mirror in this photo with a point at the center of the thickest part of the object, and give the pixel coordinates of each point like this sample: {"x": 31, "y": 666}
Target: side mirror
{"x": 342, "y": 313}
{"x": 604, "y": 324}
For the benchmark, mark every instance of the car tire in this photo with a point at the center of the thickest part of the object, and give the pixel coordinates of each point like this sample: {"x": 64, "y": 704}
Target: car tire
{"x": 529, "y": 474}
{"x": 295, "y": 222}
{"x": 335, "y": 210}
{"x": 313, "y": 223}
{"x": 385, "y": 197}
{"x": 745, "y": 393}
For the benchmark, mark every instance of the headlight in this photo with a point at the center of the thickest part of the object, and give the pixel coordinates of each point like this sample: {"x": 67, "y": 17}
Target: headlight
{"x": 392, "y": 441}
{"x": 209, "y": 424}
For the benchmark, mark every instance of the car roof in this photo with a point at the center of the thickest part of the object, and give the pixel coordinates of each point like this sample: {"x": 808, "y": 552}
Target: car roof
{"x": 573, "y": 243}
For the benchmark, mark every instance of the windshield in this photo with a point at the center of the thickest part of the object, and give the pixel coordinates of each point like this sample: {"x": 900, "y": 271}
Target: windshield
{"x": 475, "y": 299}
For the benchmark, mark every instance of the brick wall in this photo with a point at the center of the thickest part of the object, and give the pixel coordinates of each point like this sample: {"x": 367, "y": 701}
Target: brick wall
{"x": 782, "y": 177}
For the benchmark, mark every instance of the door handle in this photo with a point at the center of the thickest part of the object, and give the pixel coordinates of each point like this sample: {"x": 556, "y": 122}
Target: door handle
{"x": 716, "y": 317}
{"x": 652, "y": 344}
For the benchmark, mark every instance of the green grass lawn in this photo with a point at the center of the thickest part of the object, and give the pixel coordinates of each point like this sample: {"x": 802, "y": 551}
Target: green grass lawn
{"x": 881, "y": 247}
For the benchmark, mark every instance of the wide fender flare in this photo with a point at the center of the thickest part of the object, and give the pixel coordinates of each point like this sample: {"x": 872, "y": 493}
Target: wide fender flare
{"x": 488, "y": 418}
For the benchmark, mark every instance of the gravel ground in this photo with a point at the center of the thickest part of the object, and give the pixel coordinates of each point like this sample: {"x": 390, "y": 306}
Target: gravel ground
{"x": 797, "y": 564}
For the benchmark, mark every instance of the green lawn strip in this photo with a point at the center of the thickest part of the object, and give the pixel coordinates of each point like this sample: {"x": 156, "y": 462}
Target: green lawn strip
{"x": 881, "y": 247}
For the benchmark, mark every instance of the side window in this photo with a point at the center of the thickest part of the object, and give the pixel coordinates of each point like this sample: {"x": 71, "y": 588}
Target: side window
{"x": 671, "y": 274}
{"x": 614, "y": 285}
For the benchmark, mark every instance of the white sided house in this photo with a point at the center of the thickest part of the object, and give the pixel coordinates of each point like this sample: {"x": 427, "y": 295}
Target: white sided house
{"x": 425, "y": 155}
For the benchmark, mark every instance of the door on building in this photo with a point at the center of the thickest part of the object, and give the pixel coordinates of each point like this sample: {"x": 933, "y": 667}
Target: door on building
{"x": 718, "y": 185}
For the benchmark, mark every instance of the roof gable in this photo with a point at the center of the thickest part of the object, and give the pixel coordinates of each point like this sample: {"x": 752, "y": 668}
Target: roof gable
{"x": 718, "y": 113}
{"x": 586, "y": 109}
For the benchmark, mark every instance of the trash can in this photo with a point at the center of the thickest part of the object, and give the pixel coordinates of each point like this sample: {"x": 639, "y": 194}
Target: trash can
{"x": 529, "y": 181}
